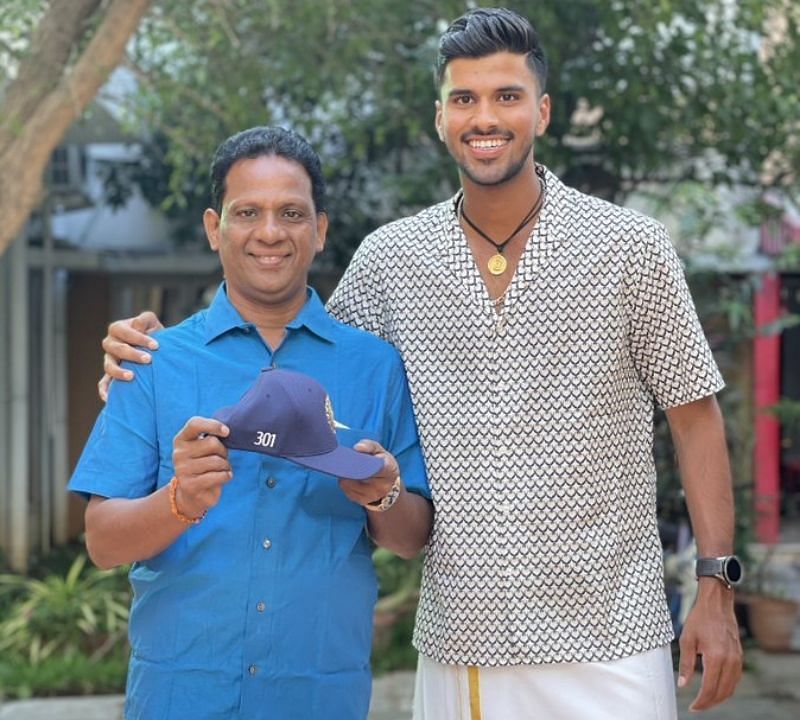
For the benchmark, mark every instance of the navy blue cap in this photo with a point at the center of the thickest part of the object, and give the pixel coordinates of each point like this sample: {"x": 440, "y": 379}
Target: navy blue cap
{"x": 289, "y": 415}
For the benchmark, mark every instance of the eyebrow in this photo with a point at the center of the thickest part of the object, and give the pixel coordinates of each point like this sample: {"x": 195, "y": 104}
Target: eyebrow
{"x": 504, "y": 89}
{"x": 296, "y": 201}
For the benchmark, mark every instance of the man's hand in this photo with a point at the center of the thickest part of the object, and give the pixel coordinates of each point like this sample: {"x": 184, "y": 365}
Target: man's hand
{"x": 404, "y": 528}
{"x": 712, "y": 632}
{"x": 119, "y": 344}
{"x": 378, "y": 486}
{"x": 201, "y": 465}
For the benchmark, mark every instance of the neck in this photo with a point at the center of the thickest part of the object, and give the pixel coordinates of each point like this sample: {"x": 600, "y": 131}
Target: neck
{"x": 270, "y": 317}
{"x": 500, "y": 207}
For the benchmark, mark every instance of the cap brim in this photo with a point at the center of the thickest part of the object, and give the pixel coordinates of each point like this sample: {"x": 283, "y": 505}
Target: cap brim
{"x": 342, "y": 462}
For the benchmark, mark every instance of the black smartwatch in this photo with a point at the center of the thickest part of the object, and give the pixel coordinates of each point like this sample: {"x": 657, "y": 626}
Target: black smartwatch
{"x": 727, "y": 568}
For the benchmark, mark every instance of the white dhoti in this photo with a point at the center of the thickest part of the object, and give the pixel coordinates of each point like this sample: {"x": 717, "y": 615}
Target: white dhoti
{"x": 640, "y": 687}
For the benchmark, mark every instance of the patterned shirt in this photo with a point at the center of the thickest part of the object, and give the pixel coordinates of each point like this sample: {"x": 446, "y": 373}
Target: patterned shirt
{"x": 536, "y": 423}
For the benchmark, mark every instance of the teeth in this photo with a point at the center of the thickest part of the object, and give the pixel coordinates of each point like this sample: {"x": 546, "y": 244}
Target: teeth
{"x": 268, "y": 259}
{"x": 486, "y": 144}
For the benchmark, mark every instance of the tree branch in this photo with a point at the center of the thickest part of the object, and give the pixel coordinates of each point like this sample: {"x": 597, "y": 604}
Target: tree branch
{"x": 41, "y": 68}
{"x": 37, "y": 123}
{"x": 179, "y": 88}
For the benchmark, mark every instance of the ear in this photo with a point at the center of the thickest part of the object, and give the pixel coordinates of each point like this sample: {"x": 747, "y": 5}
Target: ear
{"x": 211, "y": 221}
{"x": 322, "y": 231}
{"x": 438, "y": 121}
{"x": 544, "y": 115}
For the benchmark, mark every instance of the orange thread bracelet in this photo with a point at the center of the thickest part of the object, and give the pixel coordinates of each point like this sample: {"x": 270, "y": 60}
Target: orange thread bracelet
{"x": 173, "y": 505}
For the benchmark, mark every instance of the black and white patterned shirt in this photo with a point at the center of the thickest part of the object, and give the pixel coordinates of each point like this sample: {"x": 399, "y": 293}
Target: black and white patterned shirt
{"x": 537, "y": 424}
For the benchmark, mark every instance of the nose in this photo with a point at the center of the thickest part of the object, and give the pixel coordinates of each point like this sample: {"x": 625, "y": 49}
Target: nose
{"x": 485, "y": 118}
{"x": 271, "y": 230}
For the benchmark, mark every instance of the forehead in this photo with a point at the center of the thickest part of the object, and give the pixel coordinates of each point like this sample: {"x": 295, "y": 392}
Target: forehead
{"x": 487, "y": 74}
{"x": 268, "y": 176}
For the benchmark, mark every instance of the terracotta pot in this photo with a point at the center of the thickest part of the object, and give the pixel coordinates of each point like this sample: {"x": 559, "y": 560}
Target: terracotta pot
{"x": 772, "y": 622}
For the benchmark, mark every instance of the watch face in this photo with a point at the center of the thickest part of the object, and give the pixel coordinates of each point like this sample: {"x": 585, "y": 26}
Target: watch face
{"x": 733, "y": 570}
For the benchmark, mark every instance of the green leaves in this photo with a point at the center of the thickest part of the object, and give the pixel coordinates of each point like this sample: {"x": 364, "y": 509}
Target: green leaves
{"x": 83, "y": 611}
{"x": 664, "y": 83}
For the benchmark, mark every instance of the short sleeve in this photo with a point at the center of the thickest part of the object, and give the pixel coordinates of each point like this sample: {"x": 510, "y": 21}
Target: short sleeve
{"x": 121, "y": 456}
{"x": 668, "y": 346}
{"x": 358, "y": 298}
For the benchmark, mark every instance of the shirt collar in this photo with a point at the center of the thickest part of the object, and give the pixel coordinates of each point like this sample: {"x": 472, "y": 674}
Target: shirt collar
{"x": 541, "y": 244}
{"x": 552, "y": 198}
{"x": 222, "y": 317}
{"x": 314, "y": 317}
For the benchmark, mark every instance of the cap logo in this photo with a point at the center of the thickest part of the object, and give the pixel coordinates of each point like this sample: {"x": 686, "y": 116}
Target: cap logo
{"x": 265, "y": 439}
{"x": 329, "y": 413}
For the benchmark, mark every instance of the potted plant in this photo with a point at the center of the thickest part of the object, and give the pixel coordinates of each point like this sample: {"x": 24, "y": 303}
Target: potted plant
{"x": 773, "y": 610}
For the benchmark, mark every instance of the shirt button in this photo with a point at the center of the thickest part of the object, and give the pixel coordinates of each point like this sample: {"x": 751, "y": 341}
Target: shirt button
{"x": 261, "y": 607}
{"x": 271, "y": 482}
{"x": 252, "y": 669}
{"x": 266, "y": 544}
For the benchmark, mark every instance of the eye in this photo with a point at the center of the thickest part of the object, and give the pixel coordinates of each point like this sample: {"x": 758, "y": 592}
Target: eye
{"x": 246, "y": 213}
{"x": 293, "y": 214}
{"x": 509, "y": 97}
{"x": 462, "y": 100}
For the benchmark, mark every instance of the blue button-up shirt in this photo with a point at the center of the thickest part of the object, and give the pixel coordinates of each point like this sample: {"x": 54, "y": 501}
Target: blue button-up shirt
{"x": 264, "y": 609}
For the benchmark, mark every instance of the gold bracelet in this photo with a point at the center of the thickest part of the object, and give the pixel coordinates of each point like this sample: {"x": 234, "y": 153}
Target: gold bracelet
{"x": 173, "y": 505}
{"x": 384, "y": 503}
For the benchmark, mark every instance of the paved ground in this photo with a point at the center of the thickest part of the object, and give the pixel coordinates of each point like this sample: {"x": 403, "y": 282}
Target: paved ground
{"x": 770, "y": 690}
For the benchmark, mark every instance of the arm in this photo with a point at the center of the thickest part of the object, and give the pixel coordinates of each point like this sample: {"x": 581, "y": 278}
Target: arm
{"x": 119, "y": 344}
{"x": 123, "y": 530}
{"x": 711, "y": 629}
{"x": 405, "y": 526}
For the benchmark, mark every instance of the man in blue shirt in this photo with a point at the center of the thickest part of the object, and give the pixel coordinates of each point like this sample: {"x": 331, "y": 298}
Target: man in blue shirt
{"x": 252, "y": 575}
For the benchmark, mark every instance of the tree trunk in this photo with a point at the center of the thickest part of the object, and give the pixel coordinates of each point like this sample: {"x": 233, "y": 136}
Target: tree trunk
{"x": 49, "y": 93}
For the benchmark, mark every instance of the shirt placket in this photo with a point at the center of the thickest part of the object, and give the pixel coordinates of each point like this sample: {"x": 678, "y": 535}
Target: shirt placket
{"x": 257, "y": 640}
{"x": 499, "y": 385}
{"x": 258, "y": 626}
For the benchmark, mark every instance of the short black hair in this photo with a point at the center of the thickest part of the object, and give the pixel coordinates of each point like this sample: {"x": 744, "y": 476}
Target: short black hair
{"x": 485, "y": 31}
{"x": 266, "y": 141}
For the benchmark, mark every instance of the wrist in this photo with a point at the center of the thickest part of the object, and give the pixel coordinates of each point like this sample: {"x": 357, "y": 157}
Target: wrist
{"x": 727, "y": 569}
{"x": 387, "y": 501}
{"x": 713, "y": 591}
{"x": 178, "y": 506}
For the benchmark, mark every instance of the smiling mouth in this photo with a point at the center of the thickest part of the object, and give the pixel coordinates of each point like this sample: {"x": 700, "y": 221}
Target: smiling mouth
{"x": 268, "y": 261}
{"x": 480, "y": 143}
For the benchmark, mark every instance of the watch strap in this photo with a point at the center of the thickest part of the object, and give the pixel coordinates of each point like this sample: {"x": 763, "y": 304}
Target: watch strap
{"x": 384, "y": 503}
{"x": 709, "y": 567}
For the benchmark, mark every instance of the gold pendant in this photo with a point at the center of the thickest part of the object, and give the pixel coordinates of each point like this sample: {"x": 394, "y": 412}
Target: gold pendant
{"x": 497, "y": 264}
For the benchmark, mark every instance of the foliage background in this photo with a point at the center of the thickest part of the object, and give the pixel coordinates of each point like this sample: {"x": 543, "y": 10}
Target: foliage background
{"x": 642, "y": 92}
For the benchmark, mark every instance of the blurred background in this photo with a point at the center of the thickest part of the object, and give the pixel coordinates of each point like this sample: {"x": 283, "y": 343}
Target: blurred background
{"x": 688, "y": 110}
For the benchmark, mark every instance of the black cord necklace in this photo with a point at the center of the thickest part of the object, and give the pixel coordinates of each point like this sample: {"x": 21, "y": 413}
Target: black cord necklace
{"x": 497, "y": 263}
